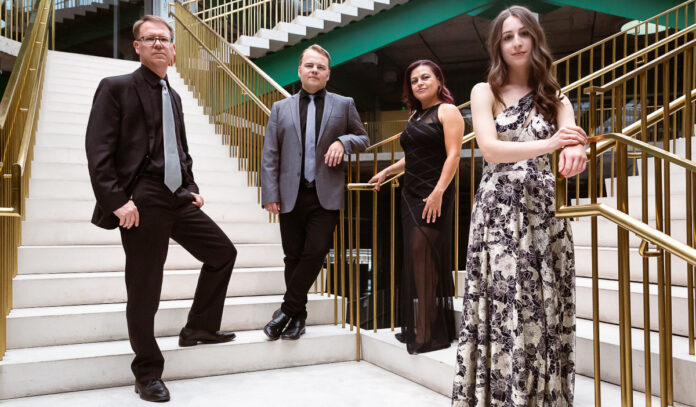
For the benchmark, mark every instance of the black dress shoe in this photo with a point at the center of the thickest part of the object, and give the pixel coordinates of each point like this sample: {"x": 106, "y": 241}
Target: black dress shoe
{"x": 400, "y": 337}
{"x": 191, "y": 337}
{"x": 152, "y": 390}
{"x": 295, "y": 329}
{"x": 275, "y": 327}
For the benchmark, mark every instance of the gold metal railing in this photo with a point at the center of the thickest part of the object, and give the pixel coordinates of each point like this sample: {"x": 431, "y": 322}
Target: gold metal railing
{"x": 234, "y": 92}
{"x": 234, "y": 18}
{"x": 668, "y": 122}
{"x": 18, "y": 118}
{"x": 15, "y": 16}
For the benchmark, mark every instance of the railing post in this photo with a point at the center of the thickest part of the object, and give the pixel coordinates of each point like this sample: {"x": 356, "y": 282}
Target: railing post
{"x": 592, "y": 179}
{"x": 623, "y": 266}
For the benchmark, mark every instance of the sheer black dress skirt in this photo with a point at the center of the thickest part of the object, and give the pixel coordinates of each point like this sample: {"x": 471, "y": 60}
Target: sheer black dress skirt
{"x": 427, "y": 288}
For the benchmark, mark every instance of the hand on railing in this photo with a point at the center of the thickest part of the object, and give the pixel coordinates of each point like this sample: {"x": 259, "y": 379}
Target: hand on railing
{"x": 334, "y": 155}
{"x": 572, "y": 160}
{"x": 378, "y": 179}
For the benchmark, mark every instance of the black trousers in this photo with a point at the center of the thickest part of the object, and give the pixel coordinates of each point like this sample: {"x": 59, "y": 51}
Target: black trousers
{"x": 307, "y": 234}
{"x": 164, "y": 215}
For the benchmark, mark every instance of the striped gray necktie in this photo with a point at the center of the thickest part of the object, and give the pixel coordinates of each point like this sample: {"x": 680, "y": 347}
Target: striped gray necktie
{"x": 310, "y": 140}
{"x": 172, "y": 164}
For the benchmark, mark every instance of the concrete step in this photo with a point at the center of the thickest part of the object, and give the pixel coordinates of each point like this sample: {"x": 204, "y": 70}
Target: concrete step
{"x": 77, "y": 141}
{"x": 335, "y": 380}
{"x": 606, "y": 233}
{"x": 43, "y": 154}
{"x": 57, "y": 369}
{"x": 607, "y": 265}
{"x": 635, "y": 205}
{"x": 52, "y": 290}
{"x": 64, "y": 325}
{"x": 63, "y": 210}
{"x": 99, "y": 258}
{"x": 435, "y": 370}
{"x": 82, "y": 190}
{"x": 609, "y": 304}
{"x": 81, "y": 118}
{"x": 45, "y": 233}
{"x": 85, "y": 100}
{"x": 204, "y": 178}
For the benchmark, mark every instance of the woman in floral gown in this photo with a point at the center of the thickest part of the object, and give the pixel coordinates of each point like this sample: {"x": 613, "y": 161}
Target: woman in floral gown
{"x": 432, "y": 142}
{"x": 516, "y": 346}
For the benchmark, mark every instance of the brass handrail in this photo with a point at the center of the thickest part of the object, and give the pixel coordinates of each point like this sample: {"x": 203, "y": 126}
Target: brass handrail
{"x": 640, "y": 70}
{"x": 18, "y": 119}
{"x": 244, "y": 59}
{"x": 229, "y": 72}
{"x": 633, "y": 30}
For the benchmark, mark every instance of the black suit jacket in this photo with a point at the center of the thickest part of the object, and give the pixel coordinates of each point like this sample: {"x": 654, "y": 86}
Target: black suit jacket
{"x": 119, "y": 138}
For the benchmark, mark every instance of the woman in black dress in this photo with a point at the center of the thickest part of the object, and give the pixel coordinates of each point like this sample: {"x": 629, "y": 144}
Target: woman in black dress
{"x": 432, "y": 142}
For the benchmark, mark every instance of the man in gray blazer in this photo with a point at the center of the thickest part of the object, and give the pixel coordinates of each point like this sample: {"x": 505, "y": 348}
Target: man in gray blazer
{"x": 303, "y": 180}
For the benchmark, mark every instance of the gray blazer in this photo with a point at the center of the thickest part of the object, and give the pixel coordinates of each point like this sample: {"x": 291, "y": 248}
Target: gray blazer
{"x": 282, "y": 151}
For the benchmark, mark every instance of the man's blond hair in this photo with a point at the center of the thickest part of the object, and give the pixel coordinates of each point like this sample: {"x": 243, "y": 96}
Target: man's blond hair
{"x": 316, "y": 48}
{"x": 154, "y": 19}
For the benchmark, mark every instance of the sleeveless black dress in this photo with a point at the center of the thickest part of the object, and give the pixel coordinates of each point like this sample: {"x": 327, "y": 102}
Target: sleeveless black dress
{"x": 427, "y": 288}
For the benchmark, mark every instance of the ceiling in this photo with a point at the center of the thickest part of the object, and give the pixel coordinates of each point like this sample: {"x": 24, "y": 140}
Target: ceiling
{"x": 458, "y": 46}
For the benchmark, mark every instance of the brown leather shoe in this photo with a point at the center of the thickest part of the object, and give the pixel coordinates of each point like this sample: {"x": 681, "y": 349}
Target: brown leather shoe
{"x": 294, "y": 330}
{"x": 275, "y": 326}
{"x": 152, "y": 390}
{"x": 191, "y": 337}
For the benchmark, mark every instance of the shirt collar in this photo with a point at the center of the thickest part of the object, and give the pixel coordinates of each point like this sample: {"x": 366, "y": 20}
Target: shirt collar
{"x": 318, "y": 95}
{"x": 151, "y": 78}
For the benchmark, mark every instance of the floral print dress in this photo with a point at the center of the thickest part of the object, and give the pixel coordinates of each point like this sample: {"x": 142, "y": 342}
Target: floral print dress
{"x": 516, "y": 346}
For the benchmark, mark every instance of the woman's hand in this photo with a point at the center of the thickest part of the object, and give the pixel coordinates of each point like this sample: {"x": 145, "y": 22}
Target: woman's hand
{"x": 572, "y": 160}
{"x": 433, "y": 204}
{"x": 378, "y": 179}
{"x": 567, "y": 136}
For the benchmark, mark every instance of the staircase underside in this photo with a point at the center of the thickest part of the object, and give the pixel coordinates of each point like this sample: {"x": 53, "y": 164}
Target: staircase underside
{"x": 371, "y": 33}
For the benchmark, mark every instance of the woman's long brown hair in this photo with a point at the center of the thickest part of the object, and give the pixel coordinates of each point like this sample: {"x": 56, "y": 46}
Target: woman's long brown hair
{"x": 541, "y": 78}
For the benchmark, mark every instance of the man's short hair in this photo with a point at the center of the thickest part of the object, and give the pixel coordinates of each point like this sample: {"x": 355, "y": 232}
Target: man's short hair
{"x": 155, "y": 19}
{"x": 319, "y": 49}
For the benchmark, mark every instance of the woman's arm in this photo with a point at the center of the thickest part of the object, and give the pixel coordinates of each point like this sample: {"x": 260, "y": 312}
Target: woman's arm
{"x": 499, "y": 151}
{"x": 393, "y": 169}
{"x": 453, "y": 126}
{"x": 572, "y": 159}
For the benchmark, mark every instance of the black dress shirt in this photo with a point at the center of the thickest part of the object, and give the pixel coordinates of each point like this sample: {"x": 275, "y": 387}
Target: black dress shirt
{"x": 155, "y": 166}
{"x": 319, "y": 104}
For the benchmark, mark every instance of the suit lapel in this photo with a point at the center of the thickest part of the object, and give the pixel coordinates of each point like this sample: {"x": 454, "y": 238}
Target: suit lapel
{"x": 328, "y": 107}
{"x": 295, "y": 113}
{"x": 145, "y": 102}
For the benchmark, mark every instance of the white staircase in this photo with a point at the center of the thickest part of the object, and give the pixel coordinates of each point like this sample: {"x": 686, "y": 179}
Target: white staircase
{"x": 305, "y": 27}
{"x": 684, "y": 364}
{"x": 67, "y": 330}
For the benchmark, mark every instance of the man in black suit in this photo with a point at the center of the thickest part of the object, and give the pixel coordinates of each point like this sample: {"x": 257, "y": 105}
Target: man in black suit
{"x": 141, "y": 175}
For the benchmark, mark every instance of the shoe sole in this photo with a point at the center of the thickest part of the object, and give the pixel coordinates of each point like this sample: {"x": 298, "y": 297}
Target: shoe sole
{"x": 293, "y": 339}
{"x": 188, "y": 343}
{"x": 270, "y": 337}
{"x": 163, "y": 400}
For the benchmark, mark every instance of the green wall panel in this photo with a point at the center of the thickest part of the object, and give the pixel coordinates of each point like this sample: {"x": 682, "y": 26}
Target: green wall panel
{"x": 367, "y": 35}
{"x": 373, "y": 32}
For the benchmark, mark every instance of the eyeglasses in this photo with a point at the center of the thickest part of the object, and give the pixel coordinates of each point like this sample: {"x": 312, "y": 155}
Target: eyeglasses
{"x": 151, "y": 40}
